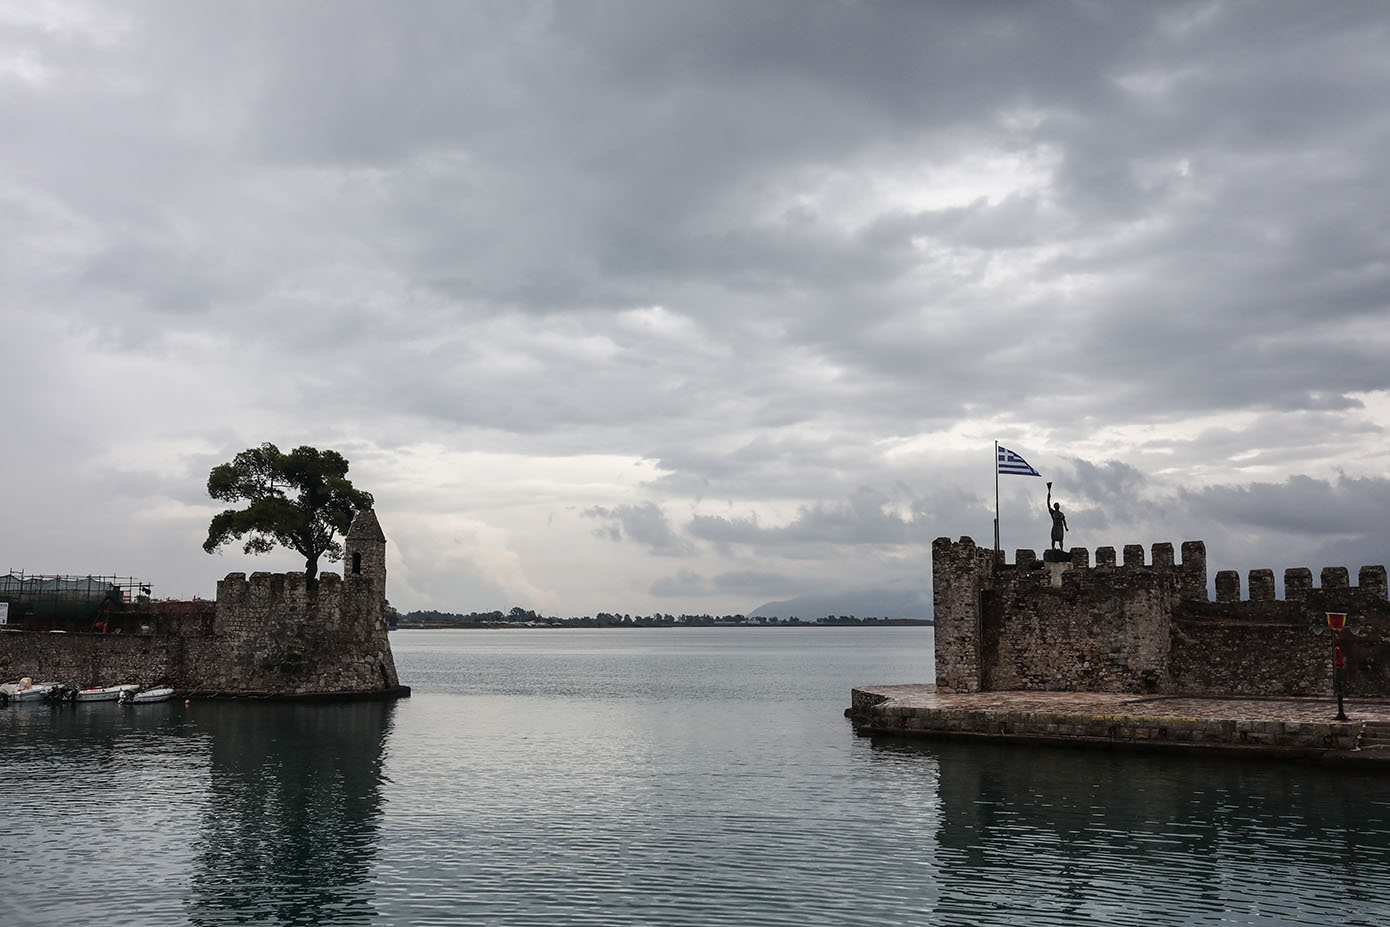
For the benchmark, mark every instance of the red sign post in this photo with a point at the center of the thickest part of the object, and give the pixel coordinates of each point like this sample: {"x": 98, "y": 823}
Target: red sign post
{"x": 1337, "y": 621}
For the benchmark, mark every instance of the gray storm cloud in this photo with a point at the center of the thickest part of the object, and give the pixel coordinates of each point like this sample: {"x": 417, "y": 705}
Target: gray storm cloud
{"x": 580, "y": 288}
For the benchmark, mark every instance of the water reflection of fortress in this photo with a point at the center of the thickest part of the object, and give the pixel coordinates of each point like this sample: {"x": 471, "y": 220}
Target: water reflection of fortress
{"x": 1070, "y": 828}
{"x": 290, "y": 828}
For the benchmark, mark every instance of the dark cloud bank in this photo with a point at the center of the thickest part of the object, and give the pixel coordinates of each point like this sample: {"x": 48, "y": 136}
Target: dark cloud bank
{"x": 795, "y": 264}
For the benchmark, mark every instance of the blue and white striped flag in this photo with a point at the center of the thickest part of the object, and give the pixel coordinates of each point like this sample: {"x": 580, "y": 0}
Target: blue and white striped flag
{"x": 1009, "y": 462}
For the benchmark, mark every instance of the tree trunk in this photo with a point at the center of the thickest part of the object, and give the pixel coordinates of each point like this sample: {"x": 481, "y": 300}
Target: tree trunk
{"x": 311, "y": 572}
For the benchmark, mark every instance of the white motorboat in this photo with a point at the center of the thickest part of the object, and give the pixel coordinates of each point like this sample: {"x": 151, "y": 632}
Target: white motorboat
{"x": 26, "y": 690}
{"x": 158, "y": 694}
{"x": 105, "y": 693}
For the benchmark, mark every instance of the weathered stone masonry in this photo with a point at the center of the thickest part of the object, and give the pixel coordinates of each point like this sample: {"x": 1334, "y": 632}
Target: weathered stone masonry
{"x": 1150, "y": 627}
{"x": 271, "y": 634}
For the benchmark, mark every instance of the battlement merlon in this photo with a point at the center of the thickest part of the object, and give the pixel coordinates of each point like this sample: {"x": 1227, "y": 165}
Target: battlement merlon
{"x": 235, "y": 587}
{"x": 1161, "y": 555}
{"x": 1298, "y": 584}
{"x": 1191, "y": 572}
{"x": 963, "y": 557}
{"x": 1371, "y": 579}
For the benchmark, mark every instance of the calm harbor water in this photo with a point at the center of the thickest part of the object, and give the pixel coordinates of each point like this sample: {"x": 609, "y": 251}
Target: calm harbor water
{"x": 664, "y": 777}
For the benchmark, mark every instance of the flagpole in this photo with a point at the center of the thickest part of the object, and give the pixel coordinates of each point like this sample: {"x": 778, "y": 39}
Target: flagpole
{"x": 996, "y": 501}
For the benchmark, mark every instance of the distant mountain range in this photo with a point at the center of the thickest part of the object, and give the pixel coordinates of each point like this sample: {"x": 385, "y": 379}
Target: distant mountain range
{"x": 862, "y": 603}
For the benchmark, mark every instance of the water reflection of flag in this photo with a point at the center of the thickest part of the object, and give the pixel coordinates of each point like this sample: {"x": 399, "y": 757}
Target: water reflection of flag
{"x": 1009, "y": 462}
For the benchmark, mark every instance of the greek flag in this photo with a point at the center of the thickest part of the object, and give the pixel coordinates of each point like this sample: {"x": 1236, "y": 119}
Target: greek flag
{"x": 1009, "y": 462}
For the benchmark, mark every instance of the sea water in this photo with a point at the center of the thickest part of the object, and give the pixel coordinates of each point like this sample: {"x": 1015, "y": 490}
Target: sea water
{"x": 701, "y": 776}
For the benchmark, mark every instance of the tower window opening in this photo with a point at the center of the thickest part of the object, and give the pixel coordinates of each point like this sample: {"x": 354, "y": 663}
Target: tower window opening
{"x": 357, "y": 561}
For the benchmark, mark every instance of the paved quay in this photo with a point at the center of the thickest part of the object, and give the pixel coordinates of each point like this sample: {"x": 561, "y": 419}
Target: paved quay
{"x": 1291, "y": 728}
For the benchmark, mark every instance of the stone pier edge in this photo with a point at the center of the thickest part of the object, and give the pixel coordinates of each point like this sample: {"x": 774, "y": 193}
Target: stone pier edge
{"x": 876, "y": 713}
{"x": 381, "y": 695}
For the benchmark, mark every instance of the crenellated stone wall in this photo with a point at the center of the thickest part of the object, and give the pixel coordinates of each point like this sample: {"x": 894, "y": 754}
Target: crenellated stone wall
{"x": 270, "y": 635}
{"x": 1143, "y": 627}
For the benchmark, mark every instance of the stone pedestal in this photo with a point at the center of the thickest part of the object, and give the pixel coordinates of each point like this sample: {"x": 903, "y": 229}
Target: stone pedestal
{"x": 1056, "y": 562}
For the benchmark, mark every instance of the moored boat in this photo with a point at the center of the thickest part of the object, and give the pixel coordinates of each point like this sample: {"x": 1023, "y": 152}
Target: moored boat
{"x": 158, "y": 694}
{"x": 26, "y": 690}
{"x": 105, "y": 693}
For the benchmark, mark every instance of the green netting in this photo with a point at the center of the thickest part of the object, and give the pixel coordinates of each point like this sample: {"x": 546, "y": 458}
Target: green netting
{"x": 66, "y": 596}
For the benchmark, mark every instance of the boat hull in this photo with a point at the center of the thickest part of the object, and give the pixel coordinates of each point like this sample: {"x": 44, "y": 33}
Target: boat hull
{"x": 161, "y": 694}
{"x": 106, "y": 693}
{"x": 36, "y": 692}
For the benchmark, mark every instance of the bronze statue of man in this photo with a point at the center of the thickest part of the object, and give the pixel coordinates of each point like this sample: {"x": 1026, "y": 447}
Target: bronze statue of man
{"x": 1059, "y": 521}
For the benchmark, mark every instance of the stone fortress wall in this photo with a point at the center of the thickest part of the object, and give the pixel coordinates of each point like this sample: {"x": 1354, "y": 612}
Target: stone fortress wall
{"x": 269, "y": 635}
{"x": 1150, "y": 627}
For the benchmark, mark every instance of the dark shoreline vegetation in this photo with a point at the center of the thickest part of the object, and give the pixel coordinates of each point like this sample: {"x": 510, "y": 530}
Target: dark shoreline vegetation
{"x": 525, "y": 618}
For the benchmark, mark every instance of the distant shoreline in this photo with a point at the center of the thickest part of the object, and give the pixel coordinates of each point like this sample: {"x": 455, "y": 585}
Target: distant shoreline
{"x": 590, "y": 624}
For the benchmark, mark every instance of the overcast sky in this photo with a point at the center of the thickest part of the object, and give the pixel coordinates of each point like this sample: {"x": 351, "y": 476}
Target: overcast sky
{"x": 688, "y": 306}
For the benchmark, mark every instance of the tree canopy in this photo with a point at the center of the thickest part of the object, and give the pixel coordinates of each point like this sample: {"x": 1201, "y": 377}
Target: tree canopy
{"x": 301, "y": 500}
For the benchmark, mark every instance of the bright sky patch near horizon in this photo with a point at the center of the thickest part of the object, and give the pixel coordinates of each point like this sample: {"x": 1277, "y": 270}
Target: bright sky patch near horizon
{"x": 670, "y": 307}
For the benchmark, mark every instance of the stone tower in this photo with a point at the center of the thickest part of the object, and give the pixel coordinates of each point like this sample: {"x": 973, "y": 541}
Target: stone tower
{"x": 364, "y": 555}
{"x": 363, "y": 619}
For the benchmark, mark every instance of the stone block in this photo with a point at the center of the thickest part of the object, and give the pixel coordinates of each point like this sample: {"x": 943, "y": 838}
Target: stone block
{"x": 1335, "y": 578}
{"x": 1227, "y": 586}
{"x": 1298, "y": 582}
{"x": 1055, "y": 570}
{"x": 1194, "y": 571}
{"x": 1261, "y": 585}
{"x": 1371, "y": 579}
